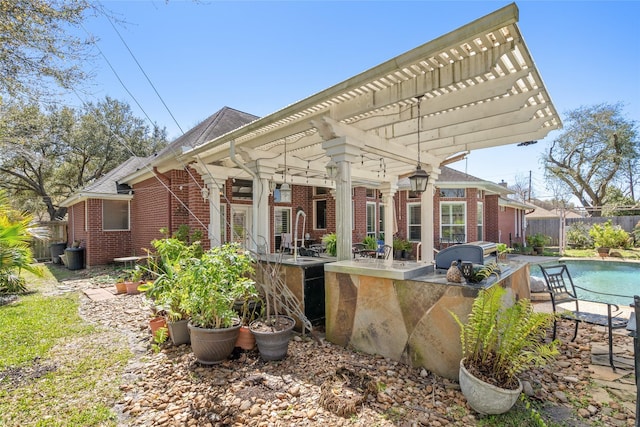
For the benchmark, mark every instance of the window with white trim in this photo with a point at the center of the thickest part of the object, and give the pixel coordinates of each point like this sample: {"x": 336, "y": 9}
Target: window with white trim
{"x": 453, "y": 221}
{"x": 281, "y": 224}
{"x": 223, "y": 223}
{"x": 115, "y": 215}
{"x": 320, "y": 214}
{"x": 381, "y": 219}
{"x": 414, "y": 229}
{"x": 371, "y": 219}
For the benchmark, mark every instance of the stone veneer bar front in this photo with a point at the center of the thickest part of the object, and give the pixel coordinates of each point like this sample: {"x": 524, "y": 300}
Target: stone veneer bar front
{"x": 402, "y": 310}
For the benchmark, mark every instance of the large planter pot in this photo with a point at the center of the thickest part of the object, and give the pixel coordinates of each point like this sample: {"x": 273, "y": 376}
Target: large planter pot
{"x": 179, "y": 332}
{"x": 603, "y": 251}
{"x": 273, "y": 340}
{"x": 211, "y": 346}
{"x": 121, "y": 288}
{"x": 486, "y": 398}
{"x": 246, "y": 339}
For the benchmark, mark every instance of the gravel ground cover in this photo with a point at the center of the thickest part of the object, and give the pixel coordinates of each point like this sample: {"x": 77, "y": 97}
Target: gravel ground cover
{"x": 169, "y": 388}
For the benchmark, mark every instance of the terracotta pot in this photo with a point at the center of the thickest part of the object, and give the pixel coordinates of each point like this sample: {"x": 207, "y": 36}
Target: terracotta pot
{"x": 246, "y": 340}
{"x": 132, "y": 288}
{"x": 157, "y": 323}
{"x": 121, "y": 288}
{"x": 486, "y": 398}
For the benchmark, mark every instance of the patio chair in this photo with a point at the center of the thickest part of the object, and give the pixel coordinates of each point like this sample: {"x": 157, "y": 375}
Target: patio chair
{"x": 384, "y": 251}
{"x": 358, "y": 249}
{"x": 285, "y": 242}
{"x": 562, "y": 290}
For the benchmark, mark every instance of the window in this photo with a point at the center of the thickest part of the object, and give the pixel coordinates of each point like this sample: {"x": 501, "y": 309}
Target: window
{"x": 371, "y": 219}
{"x": 413, "y": 222}
{"x": 281, "y": 224}
{"x": 457, "y": 193}
{"x": 453, "y": 221}
{"x": 320, "y": 191}
{"x": 371, "y": 192}
{"x": 381, "y": 220}
{"x": 480, "y": 220}
{"x": 320, "y": 214}
{"x": 115, "y": 215}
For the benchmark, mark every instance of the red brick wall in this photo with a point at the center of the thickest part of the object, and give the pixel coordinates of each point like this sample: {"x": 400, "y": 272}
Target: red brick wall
{"x": 491, "y": 218}
{"x": 148, "y": 214}
{"x": 75, "y": 228}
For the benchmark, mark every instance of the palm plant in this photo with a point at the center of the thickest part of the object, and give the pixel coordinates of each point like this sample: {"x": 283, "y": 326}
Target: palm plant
{"x": 16, "y": 232}
{"x": 499, "y": 343}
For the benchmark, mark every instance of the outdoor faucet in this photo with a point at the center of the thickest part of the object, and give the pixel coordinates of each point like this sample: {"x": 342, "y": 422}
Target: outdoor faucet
{"x": 295, "y": 234}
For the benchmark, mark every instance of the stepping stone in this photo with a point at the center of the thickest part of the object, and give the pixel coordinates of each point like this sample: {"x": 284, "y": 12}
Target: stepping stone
{"x": 98, "y": 294}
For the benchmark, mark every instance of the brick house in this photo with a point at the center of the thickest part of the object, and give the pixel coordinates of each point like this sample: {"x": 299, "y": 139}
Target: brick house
{"x": 347, "y": 152}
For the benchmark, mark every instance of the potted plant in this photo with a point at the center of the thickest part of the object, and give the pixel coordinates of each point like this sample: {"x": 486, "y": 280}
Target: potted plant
{"x": 538, "y": 241}
{"x": 331, "y": 243}
{"x": 272, "y": 332}
{"x": 248, "y": 307}
{"x": 503, "y": 250}
{"x": 401, "y": 247}
{"x": 213, "y": 283}
{"x": 173, "y": 256}
{"x": 500, "y": 339}
{"x": 133, "y": 279}
{"x": 606, "y": 236}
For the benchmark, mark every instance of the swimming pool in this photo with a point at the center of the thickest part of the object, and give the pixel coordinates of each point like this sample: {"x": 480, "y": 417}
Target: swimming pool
{"x": 612, "y": 277}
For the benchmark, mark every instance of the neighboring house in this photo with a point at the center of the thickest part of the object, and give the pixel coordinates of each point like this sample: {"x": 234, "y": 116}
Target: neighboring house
{"x": 346, "y": 153}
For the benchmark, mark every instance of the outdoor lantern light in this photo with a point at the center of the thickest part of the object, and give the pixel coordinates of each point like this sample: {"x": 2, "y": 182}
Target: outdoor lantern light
{"x": 332, "y": 169}
{"x": 420, "y": 178}
{"x": 204, "y": 192}
{"x": 285, "y": 190}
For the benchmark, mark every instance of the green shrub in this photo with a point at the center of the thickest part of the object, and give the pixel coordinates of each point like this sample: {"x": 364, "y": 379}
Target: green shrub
{"x": 538, "y": 240}
{"x": 607, "y": 235}
{"x": 370, "y": 242}
{"x": 636, "y": 234}
{"x": 578, "y": 235}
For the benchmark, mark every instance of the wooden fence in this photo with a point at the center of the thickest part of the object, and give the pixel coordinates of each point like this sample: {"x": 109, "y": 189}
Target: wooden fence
{"x": 57, "y": 234}
{"x": 551, "y": 226}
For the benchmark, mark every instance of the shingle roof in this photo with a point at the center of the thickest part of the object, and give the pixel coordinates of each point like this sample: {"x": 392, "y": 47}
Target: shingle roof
{"x": 108, "y": 183}
{"x": 451, "y": 175}
{"x": 223, "y": 121}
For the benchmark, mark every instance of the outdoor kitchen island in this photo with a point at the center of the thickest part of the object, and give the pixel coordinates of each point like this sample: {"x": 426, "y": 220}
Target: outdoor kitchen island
{"x": 401, "y": 310}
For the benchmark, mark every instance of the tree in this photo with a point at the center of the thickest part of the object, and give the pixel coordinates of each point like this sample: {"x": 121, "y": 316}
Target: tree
{"x": 47, "y": 155}
{"x": 37, "y": 48}
{"x": 522, "y": 188}
{"x": 597, "y": 144}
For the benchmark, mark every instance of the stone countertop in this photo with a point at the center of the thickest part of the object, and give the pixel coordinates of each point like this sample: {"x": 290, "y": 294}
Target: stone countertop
{"x": 303, "y": 261}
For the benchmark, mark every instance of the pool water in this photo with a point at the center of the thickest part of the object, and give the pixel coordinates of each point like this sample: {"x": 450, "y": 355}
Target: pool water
{"x": 621, "y": 279}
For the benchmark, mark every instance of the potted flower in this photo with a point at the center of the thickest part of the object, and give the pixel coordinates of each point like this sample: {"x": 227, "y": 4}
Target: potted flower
{"x": 331, "y": 243}
{"x": 503, "y": 250}
{"x": 249, "y": 308}
{"x": 133, "y": 279}
{"x": 213, "y": 283}
{"x": 500, "y": 339}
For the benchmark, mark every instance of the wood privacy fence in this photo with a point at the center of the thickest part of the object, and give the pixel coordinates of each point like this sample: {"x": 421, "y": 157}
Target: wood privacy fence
{"x": 57, "y": 234}
{"x": 551, "y": 226}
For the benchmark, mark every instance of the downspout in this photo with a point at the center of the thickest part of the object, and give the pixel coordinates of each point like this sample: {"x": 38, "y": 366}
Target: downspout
{"x": 232, "y": 156}
{"x": 162, "y": 175}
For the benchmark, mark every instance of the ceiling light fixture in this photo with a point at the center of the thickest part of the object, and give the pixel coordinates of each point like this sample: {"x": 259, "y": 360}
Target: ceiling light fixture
{"x": 285, "y": 189}
{"x": 420, "y": 177}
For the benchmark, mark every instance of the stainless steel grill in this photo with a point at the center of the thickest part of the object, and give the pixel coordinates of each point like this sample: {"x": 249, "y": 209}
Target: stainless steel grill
{"x": 475, "y": 252}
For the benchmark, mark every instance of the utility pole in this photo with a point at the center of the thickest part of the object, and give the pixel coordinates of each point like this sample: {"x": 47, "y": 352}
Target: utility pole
{"x": 529, "y": 185}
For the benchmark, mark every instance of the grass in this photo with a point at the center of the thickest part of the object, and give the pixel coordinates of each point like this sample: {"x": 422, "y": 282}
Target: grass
{"x": 55, "y": 369}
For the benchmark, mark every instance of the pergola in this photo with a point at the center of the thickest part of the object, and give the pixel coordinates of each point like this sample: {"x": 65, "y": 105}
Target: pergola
{"x": 473, "y": 88}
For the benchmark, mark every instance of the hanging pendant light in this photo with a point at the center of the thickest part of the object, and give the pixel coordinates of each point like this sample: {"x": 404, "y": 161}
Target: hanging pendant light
{"x": 285, "y": 189}
{"x": 420, "y": 177}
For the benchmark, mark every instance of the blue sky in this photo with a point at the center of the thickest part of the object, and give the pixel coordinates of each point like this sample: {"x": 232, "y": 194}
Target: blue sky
{"x": 259, "y": 57}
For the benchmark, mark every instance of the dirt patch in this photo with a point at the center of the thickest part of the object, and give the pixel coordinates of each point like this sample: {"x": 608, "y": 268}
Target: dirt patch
{"x": 14, "y": 377}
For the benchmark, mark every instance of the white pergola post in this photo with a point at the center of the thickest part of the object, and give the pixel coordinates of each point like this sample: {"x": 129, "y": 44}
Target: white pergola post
{"x": 260, "y": 218}
{"x": 388, "y": 190}
{"x": 426, "y": 217}
{"x": 343, "y": 153}
{"x": 212, "y": 191}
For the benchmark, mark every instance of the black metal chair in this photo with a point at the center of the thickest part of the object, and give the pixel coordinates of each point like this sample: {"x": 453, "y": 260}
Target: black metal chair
{"x": 384, "y": 251}
{"x": 562, "y": 290}
{"x": 358, "y": 249}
